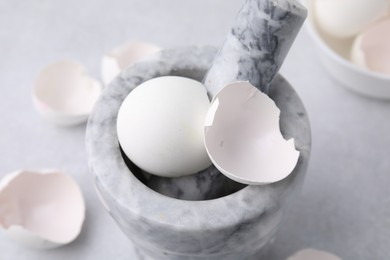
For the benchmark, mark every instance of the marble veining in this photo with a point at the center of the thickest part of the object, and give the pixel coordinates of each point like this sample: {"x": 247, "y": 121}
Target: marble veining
{"x": 257, "y": 44}
{"x": 237, "y": 226}
{"x": 204, "y": 216}
{"x": 207, "y": 184}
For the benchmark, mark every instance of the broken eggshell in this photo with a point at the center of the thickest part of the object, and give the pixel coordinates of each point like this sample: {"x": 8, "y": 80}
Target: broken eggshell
{"x": 64, "y": 94}
{"x": 121, "y": 57}
{"x": 371, "y": 48}
{"x": 313, "y": 254}
{"x": 41, "y": 209}
{"x": 243, "y": 139}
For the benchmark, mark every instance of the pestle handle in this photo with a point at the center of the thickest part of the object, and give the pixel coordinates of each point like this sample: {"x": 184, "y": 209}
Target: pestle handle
{"x": 257, "y": 45}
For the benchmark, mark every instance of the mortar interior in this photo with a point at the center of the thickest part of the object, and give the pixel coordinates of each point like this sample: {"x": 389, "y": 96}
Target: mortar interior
{"x": 205, "y": 185}
{"x": 123, "y": 193}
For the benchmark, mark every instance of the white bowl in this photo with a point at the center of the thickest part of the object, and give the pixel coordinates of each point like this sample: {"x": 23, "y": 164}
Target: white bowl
{"x": 334, "y": 54}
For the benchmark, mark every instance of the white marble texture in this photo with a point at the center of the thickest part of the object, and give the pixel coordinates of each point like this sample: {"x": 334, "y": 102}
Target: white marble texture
{"x": 238, "y": 226}
{"x": 344, "y": 207}
{"x": 257, "y": 44}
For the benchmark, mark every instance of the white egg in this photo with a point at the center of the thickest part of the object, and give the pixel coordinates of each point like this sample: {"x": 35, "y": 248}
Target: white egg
{"x": 243, "y": 138}
{"x": 313, "y": 254}
{"x": 371, "y": 48}
{"x": 41, "y": 210}
{"x": 160, "y": 126}
{"x": 345, "y": 18}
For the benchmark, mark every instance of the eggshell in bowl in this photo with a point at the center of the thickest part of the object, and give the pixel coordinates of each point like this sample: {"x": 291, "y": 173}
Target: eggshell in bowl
{"x": 371, "y": 49}
{"x": 64, "y": 94}
{"x": 243, "y": 139}
{"x": 335, "y": 55}
{"x": 41, "y": 209}
{"x": 119, "y": 58}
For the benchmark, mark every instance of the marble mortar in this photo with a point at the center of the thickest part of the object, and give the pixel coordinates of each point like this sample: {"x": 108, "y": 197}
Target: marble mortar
{"x": 238, "y": 224}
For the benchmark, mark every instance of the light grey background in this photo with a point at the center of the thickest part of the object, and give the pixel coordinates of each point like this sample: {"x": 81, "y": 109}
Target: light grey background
{"x": 345, "y": 204}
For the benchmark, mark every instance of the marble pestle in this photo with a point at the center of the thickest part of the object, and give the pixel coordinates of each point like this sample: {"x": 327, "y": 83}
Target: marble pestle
{"x": 257, "y": 44}
{"x": 254, "y": 50}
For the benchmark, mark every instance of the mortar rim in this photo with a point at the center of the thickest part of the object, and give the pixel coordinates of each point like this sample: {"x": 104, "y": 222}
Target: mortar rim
{"x": 130, "y": 203}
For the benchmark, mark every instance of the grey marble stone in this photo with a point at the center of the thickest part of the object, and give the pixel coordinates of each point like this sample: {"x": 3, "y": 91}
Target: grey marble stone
{"x": 209, "y": 183}
{"x": 236, "y": 226}
{"x": 257, "y": 44}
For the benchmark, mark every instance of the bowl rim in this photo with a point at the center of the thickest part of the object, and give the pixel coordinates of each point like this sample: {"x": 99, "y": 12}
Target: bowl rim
{"x": 311, "y": 27}
{"x": 102, "y": 118}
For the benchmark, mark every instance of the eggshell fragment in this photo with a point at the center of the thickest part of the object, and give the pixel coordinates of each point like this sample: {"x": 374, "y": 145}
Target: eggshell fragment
{"x": 345, "y": 18}
{"x": 123, "y": 56}
{"x": 41, "y": 209}
{"x": 64, "y": 94}
{"x": 312, "y": 254}
{"x": 371, "y": 49}
{"x": 243, "y": 139}
{"x": 160, "y": 126}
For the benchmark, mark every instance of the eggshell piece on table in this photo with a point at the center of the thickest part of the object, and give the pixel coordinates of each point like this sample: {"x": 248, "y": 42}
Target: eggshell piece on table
{"x": 371, "y": 49}
{"x": 41, "y": 209}
{"x": 312, "y": 254}
{"x": 64, "y": 94}
{"x": 123, "y": 56}
{"x": 160, "y": 126}
{"x": 346, "y": 18}
{"x": 243, "y": 139}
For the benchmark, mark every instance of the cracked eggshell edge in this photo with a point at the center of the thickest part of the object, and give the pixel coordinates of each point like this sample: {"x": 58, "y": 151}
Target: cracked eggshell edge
{"x": 111, "y": 67}
{"x": 30, "y": 239}
{"x": 56, "y": 116}
{"x": 209, "y": 121}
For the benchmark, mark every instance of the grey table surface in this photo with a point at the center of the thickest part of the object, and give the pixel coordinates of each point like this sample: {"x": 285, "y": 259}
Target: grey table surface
{"x": 344, "y": 207}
